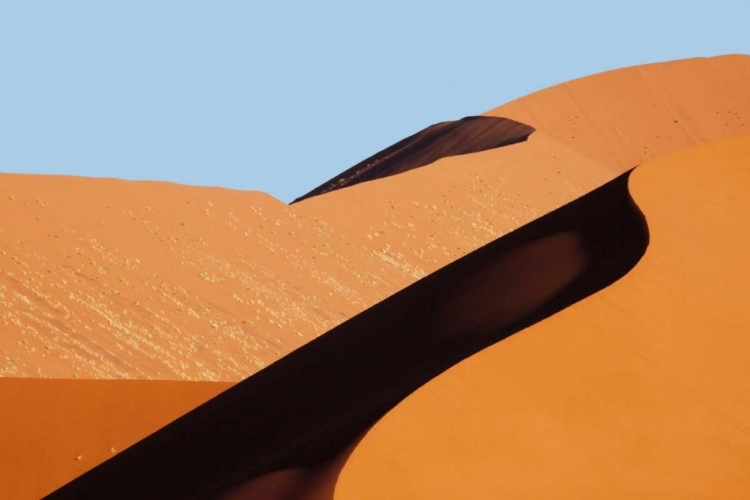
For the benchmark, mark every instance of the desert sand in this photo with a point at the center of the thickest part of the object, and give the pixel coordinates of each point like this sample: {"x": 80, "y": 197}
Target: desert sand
{"x": 637, "y": 381}
{"x": 598, "y": 368}
{"x": 637, "y": 391}
{"x": 299, "y": 412}
{"x": 619, "y": 119}
{"x": 55, "y": 430}
{"x": 468, "y": 135}
{"x": 103, "y": 278}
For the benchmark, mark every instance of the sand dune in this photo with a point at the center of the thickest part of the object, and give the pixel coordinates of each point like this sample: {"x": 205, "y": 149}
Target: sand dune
{"x": 621, "y": 118}
{"x": 54, "y": 430}
{"x": 301, "y": 411}
{"x": 638, "y": 384}
{"x": 110, "y": 279}
{"x": 637, "y": 391}
{"x": 610, "y": 387}
{"x": 468, "y": 135}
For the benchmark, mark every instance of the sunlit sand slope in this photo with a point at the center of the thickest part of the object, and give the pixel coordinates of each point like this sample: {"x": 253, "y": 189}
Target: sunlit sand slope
{"x": 624, "y": 117}
{"x": 468, "y": 135}
{"x": 55, "y": 430}
{"x": 637, "y": 391}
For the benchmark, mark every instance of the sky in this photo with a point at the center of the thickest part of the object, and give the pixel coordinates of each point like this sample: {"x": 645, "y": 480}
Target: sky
{"x": 279, "y": 96}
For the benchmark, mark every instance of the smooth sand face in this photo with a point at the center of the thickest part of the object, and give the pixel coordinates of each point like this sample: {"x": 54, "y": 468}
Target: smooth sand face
{"x": 624, "y": 117}
{"x": 113, "y": 279}
{"x": 55, "y": 430}
{"x": 637, "y": 391}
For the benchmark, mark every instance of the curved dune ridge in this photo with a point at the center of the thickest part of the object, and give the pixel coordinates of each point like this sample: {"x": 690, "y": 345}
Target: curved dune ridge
{"x": 102, "y": 278}
{"x": 316, "y": 400}
{"x": 472, "y": 134}
{"x": 637, "y": 391}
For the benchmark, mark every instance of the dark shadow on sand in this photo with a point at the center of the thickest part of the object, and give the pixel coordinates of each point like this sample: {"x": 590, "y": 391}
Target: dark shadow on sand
{"x": 307, "y": 407}
{"x": 467, "y": 135}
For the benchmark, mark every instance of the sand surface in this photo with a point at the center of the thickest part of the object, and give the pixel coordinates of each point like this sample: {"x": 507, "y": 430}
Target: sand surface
{"x": 637, "y": 391}
{"x": 621, "y": 118}
{"x": 468, "y": 135}
{"x": 634, "y": 390}
{"x": 101, "y": 278}
{"x": 642, "y": 384}
{"x": 278, "y": 426}
{"x": 55, "y": 430}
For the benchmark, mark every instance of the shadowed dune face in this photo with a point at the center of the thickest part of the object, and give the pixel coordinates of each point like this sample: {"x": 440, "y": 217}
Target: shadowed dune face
{"x": 55, "y": 430}
{"x": 531, "y": 274}
{"x": 638, "y": 391}
{"x": 106, "y": 279}
{"x": 468, "y": 135}
{"x": 318, "y": 399}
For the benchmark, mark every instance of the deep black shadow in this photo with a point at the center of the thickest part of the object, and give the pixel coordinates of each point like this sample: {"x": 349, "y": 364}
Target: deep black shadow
{"x": 467, "y": 135}
{"x": 302, "y": 410}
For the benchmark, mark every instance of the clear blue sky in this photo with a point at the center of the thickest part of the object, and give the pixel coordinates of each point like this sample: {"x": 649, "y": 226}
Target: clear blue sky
{"x": 280, "y": 95}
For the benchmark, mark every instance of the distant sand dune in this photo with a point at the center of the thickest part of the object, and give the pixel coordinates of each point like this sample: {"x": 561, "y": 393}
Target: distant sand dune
{"x": 472, "y": 134}
{"x": 476, "y": 283}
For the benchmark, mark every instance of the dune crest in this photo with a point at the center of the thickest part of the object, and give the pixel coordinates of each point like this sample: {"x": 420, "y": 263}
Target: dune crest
{"x": 621, "y": 118}
{"x": 467, "y": 135}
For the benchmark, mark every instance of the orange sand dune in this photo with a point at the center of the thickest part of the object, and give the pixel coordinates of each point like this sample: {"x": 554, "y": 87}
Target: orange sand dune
{"x": 637, "y": 391}
{"x": 588, "y": 131}
{"x": 54, "y": 430}
{"x": 424, "y": 219}
{"x": 273, "y": 430}
{"x": 624, "y": 117}
{"x": 468, "y": 135}
{"x": 110, "y": 279}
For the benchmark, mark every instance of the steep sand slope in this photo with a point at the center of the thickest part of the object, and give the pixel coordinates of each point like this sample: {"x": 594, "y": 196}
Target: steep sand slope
{"x": 301, "y": 411}
{"x": 54, "y": 430}
{"x": 468, "y": 135}
{"x": 624, "y": 117}
{"x": 638, "y": 391}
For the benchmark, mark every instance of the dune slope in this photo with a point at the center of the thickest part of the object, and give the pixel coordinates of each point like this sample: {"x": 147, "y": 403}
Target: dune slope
{"x": 55, "y": 430}
{"x": 621, "y": 118}
{"x": 110, "y": 279}
{"x": 468, "y": 135}
{"x": 637, "y": 391}
{"x": 304, "y": 409}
